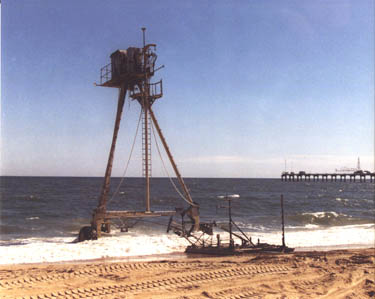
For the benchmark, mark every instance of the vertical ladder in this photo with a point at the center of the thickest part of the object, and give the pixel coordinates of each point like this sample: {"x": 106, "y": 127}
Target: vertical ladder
{"x": 146, "y": 135}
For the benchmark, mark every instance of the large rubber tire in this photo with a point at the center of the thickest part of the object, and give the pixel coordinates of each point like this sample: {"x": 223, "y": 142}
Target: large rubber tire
{"x": 86, "y": 233}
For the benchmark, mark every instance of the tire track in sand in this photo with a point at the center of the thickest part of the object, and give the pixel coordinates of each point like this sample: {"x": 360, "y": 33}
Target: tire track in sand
{"x": 167, "y": 284}
{"x": 95, "y": 271}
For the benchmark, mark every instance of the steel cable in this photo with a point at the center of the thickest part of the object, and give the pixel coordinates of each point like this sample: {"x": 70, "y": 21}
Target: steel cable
{"x": 127, "y": 164}
{"x": 165, "y": 168}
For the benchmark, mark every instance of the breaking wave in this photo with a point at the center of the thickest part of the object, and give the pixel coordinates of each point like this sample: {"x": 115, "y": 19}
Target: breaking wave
{"x": 326, "y": 219}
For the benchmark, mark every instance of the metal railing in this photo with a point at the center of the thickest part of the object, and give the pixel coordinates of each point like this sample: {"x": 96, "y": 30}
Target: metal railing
{"x": 156, "y": 89}
{"x": 106, "y": 73}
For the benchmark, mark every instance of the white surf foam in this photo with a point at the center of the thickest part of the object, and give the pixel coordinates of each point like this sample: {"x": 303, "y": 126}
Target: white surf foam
{"x": 38, "y": 250}
{"x": 311, "y": 226}
{"x": 344, "y": 200}
{"x": 228, "y": 196}
{"x": 324, "y": 214}
{"x": 313, "y": 236}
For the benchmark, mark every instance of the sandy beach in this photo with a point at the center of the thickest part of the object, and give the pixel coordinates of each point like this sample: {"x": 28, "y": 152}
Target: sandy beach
{"x": 314, "y": 274}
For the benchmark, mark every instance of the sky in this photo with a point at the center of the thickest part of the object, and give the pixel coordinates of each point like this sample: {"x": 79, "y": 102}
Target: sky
{"x": 251, "y": 88}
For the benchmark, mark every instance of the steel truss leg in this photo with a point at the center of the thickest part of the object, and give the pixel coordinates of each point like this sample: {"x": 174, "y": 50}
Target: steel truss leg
{"x": 101, "y": 209}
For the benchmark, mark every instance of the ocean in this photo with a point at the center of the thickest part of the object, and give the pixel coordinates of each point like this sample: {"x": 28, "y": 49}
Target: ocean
{"x": 41, "y": 216}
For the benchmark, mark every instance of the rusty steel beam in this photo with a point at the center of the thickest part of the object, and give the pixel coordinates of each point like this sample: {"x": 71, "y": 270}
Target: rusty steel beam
{"x": 101, "y": 209}
{"x": 137, "y": 214}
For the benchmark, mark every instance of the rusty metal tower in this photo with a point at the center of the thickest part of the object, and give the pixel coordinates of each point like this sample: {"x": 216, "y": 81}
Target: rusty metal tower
{"x": 131, "y": 71}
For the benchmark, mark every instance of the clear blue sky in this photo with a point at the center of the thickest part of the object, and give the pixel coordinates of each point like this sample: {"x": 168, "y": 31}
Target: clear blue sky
{"x": 247, "y": 84}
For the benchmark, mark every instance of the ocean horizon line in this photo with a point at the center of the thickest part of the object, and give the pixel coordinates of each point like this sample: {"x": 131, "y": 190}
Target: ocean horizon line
{"x": 136, "y": 177}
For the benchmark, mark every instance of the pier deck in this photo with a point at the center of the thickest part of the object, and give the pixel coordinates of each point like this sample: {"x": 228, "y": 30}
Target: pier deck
{"x": 360, "y": 176}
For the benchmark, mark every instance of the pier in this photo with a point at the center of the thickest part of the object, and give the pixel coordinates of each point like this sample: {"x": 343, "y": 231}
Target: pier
{"x": 357, "y": 176}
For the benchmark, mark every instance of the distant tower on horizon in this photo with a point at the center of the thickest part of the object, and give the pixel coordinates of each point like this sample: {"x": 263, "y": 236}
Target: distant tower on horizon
{"x": 358, "y": 164}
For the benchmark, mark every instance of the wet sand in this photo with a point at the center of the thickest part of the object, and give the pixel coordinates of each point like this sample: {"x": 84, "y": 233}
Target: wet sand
{"x": 313, "y": 274}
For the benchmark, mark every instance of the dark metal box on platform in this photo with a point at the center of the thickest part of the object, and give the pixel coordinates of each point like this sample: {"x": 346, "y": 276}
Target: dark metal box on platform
{"x": 126, "y": 65}
{"x": 126, "y": 62}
